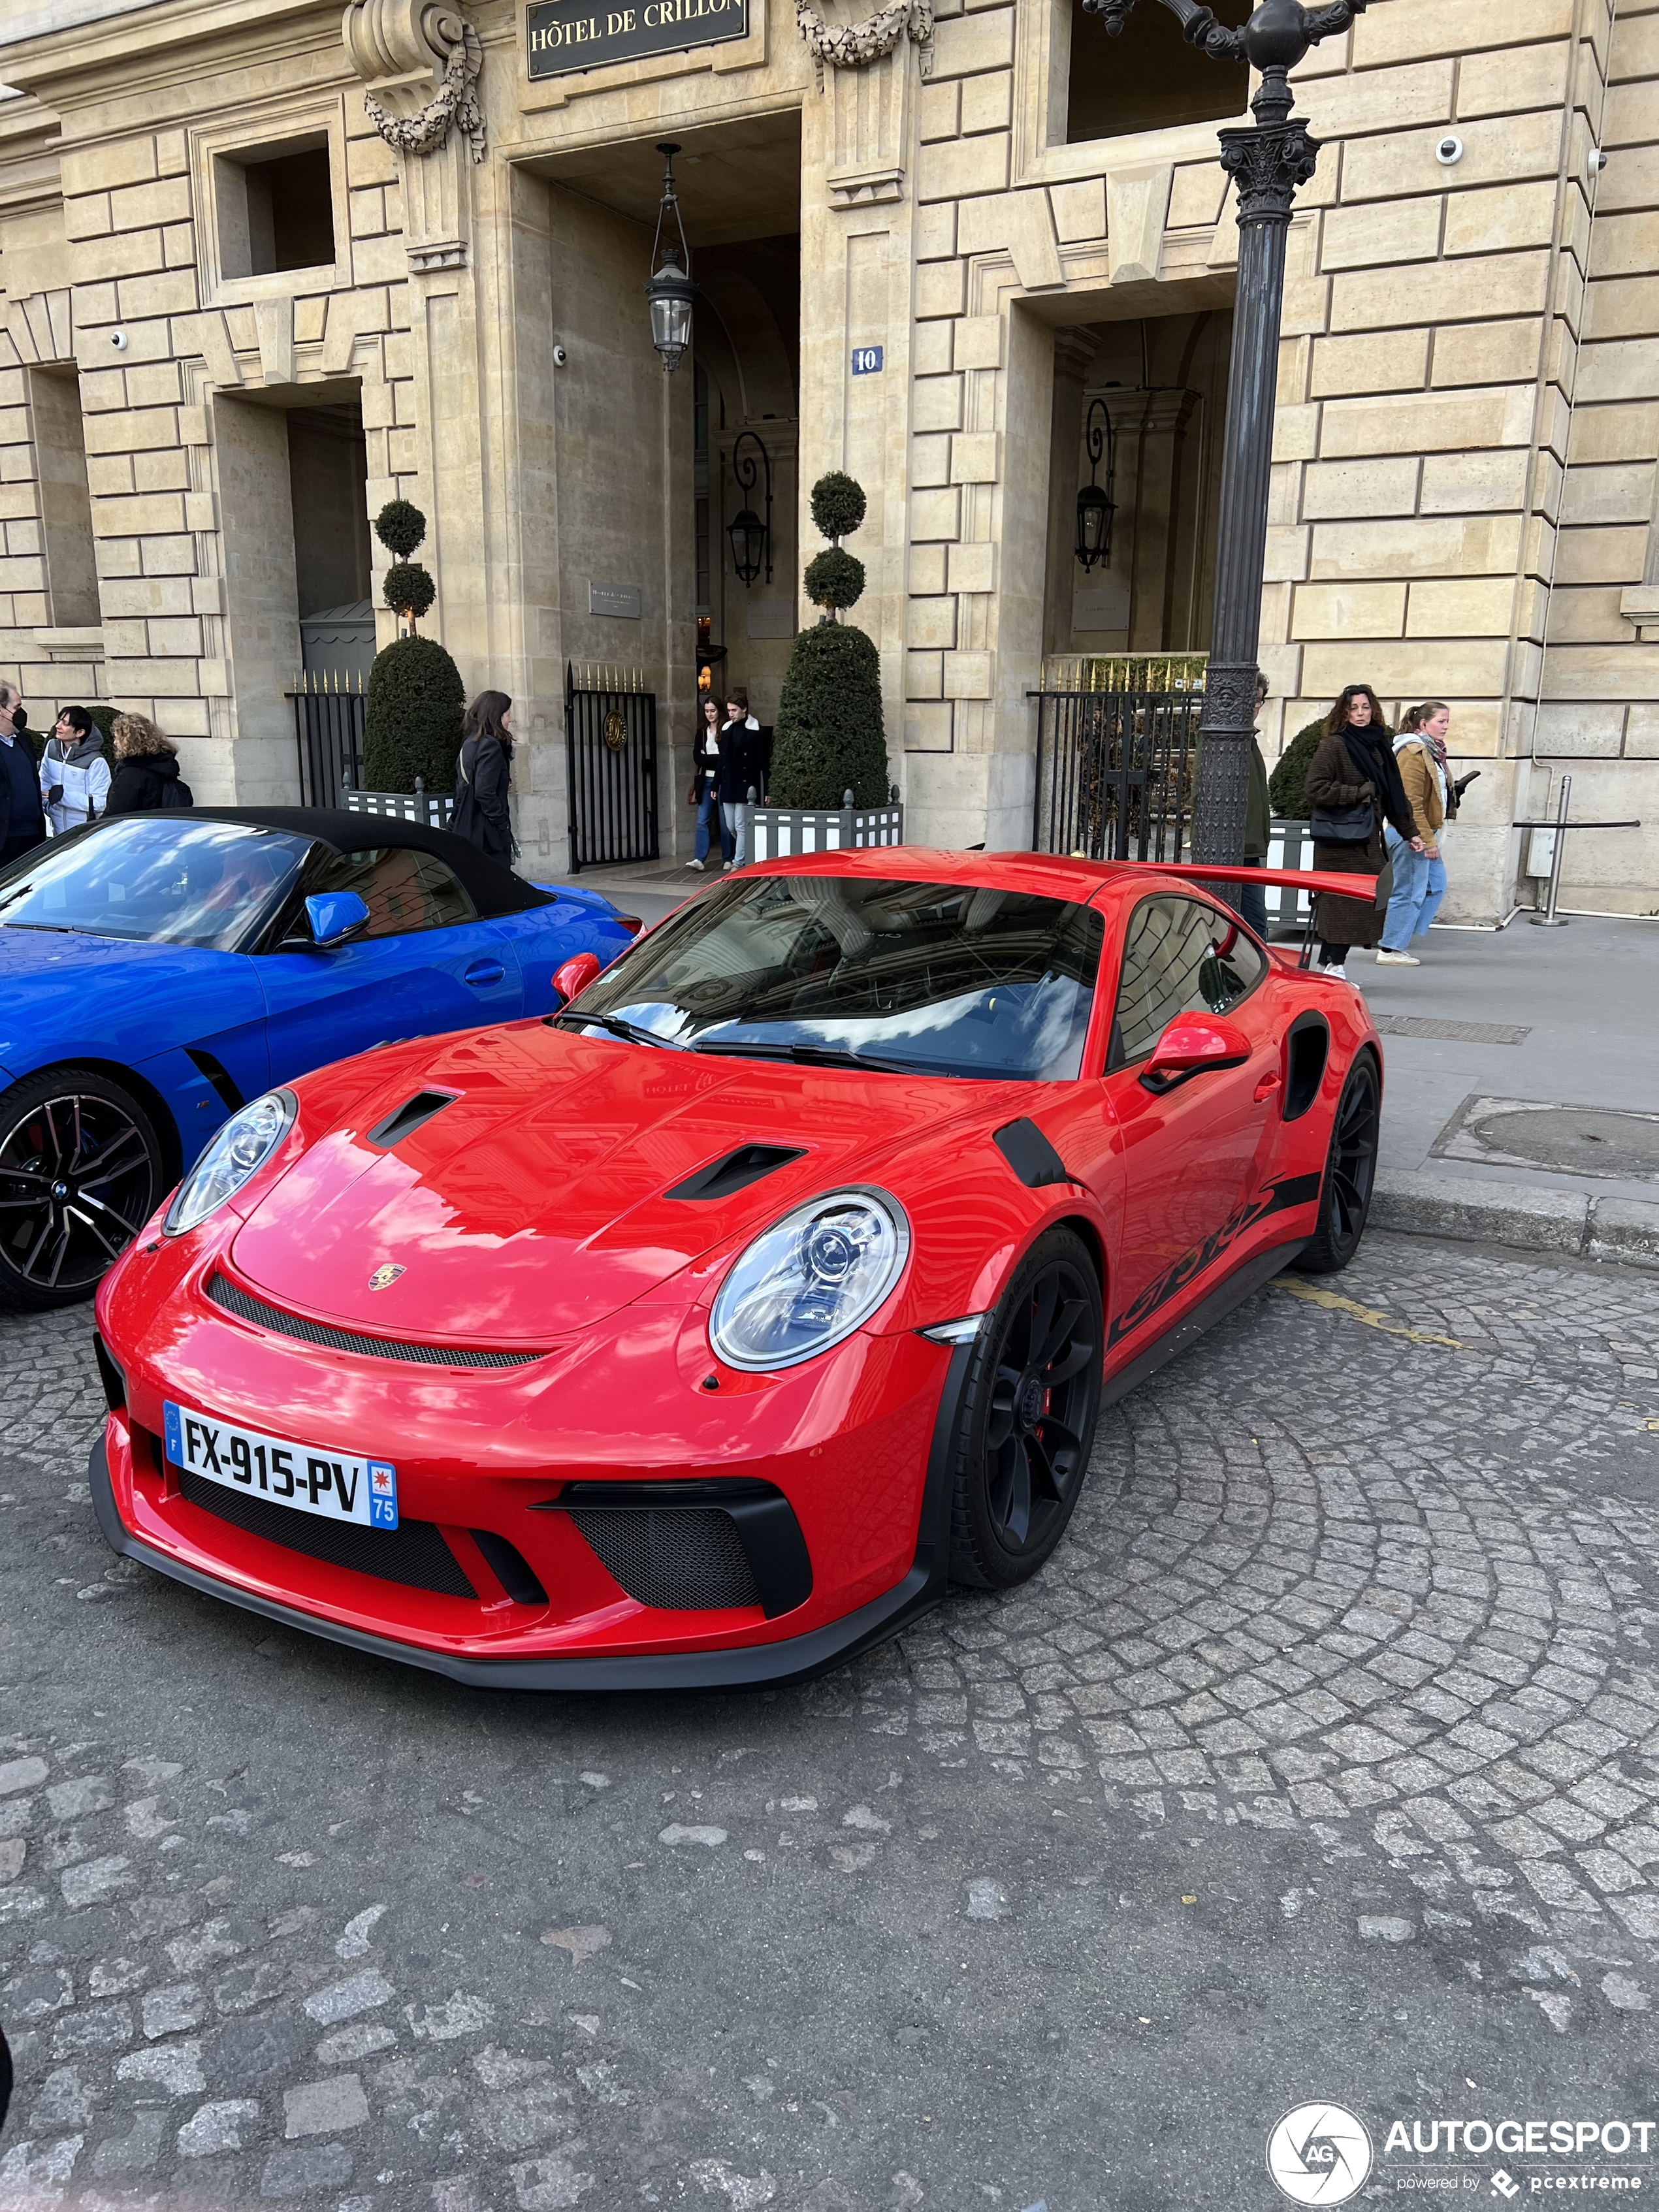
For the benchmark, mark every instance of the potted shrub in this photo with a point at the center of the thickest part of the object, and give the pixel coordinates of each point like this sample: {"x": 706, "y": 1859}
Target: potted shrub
{"x": 412, "y": 713}
{"x": 830, "y": 785}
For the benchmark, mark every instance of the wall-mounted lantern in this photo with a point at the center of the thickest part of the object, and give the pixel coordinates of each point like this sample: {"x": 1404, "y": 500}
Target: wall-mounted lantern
{"x": 670, "y": 289}
{"x": 1095, "y": 508}
{"x": 751, "y": 537}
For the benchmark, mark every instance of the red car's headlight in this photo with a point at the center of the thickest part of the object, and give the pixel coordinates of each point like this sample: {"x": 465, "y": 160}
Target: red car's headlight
{"x": 238, "y": 1153}
{"x": 809, "y": 1279}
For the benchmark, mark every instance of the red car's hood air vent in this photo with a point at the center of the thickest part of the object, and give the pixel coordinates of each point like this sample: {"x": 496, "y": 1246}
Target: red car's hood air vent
{"x": 226, "y": 1294}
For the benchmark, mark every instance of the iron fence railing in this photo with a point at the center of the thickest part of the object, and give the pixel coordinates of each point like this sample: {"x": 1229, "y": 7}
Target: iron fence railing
{"x": 1115, "y": 772}
{"x": 328, "y": 730}
{"x": 610, "y": 740}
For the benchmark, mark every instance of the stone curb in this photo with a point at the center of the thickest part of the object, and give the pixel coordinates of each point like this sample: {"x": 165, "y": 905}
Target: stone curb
{"x": 1622, "y": 1229}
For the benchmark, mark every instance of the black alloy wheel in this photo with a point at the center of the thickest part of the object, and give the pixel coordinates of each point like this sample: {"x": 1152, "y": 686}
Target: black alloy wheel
{"x": 80, "y": 1171}
{"x": 1029, "y": 1413}
{"x": 1345, "y": 1197}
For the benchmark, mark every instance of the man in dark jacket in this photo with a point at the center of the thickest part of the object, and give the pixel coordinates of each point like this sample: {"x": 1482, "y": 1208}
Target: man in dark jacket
{"x": 745, "y": 748}
{"x": 23, "y": 821}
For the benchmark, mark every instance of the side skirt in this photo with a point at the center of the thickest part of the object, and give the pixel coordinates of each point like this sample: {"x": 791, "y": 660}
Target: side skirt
{"x": 1248, "y": 1276}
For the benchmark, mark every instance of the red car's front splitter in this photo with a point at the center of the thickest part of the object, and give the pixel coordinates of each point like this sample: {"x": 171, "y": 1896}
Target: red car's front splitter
{"x": 792, "y": 1659}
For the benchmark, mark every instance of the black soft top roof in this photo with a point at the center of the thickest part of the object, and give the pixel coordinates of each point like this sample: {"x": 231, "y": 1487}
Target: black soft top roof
{"x": 494, "y": 890}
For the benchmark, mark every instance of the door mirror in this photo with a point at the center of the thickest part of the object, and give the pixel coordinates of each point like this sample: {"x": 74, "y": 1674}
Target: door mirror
{"x": 335, "y": 917}
{"x": 1192, "y": 1043}
{"x": 577, "y": 973}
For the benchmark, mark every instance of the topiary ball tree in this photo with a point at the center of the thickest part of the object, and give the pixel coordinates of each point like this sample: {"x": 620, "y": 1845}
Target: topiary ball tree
{"x": 830, "y": 737}
{"x": 408, "y": 589}
{"x": 412, "y": 717}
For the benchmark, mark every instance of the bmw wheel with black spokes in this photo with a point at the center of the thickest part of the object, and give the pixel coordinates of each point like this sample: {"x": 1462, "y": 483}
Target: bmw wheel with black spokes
{"x": 80, "y": 1171}
{"x": 1345, "y": 1196}
{"x": 1028, "y": 1423}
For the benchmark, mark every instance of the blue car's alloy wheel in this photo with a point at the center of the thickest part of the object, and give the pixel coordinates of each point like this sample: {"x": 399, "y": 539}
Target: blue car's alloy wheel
{"x": 80, "y": 1172}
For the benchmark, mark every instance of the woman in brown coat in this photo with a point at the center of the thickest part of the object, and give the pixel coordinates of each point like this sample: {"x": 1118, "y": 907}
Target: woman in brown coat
{"x": 1353, "y": 767}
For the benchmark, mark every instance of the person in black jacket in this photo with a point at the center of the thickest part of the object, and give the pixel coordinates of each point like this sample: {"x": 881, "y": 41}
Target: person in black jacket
{"x": 484, "y": 776}
{"x": 22, "y": 823}
{"x": 704, "y": 793}
{"x": 146, "y": 775}
{"x": 745, "y": 748}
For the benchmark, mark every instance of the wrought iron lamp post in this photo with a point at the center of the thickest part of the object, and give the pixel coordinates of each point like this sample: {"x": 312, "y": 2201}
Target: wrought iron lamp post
{"x": 1267, "y": 163}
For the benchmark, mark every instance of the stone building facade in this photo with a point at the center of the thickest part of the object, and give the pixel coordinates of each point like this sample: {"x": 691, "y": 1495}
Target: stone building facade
{"x": 260, "y": 271}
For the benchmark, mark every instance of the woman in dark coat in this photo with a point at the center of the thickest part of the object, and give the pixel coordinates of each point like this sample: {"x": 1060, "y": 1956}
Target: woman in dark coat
{"x": 1354, "y": 765}
{"x": 146, "y": 775}
{"x": 484, "y": 776}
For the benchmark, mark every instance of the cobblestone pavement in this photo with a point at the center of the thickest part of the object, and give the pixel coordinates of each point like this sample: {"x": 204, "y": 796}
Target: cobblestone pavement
{"x": 1323, "y": 1761}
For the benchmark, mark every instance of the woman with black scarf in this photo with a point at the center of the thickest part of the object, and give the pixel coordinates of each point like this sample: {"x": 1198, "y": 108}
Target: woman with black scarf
{"x": 1353, "y": 775}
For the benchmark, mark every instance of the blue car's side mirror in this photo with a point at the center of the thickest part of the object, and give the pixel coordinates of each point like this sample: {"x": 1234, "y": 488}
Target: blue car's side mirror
{"x": 335, "y": 917}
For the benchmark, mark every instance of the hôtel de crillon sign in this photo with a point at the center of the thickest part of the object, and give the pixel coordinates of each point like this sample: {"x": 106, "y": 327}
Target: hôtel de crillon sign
{"x": 576, "y": 34}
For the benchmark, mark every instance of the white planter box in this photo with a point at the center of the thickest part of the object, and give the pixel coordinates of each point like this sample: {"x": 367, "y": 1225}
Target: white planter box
{"x": 433, "y": 808}
{"x": 1289, "y": 845}
{"x": 779, "y": 833}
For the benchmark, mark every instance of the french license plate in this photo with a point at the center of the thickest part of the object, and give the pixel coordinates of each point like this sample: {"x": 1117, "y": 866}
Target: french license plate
{"x": 310, "y": 1479}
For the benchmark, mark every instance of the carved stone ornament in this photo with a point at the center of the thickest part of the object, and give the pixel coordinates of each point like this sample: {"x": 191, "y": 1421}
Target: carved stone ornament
{"x": 855, "y": 46}
{"x": 402, "y": 49}
{"x": 1267, "y": 165}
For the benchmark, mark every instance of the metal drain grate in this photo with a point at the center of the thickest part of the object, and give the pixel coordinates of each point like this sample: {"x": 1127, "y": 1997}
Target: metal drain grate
{"x": 1424, "y": 1025}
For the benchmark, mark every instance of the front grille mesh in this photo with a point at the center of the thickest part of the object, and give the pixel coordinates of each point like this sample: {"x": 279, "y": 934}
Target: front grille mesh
{"x": 227, "y": 1294}
{"x": 413, "y": 1552}
{"x": 685, "y": 1559}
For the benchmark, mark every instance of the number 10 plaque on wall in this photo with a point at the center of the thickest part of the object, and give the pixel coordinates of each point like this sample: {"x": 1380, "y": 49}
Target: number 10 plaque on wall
{"x": 563, "y": 35}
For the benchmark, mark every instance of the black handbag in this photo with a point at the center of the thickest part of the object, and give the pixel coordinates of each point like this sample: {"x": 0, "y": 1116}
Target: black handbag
{"x": 1344, "y": 825}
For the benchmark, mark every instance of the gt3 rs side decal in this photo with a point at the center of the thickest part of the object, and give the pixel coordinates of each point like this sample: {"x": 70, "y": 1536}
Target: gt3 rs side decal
{"x": 1278, "y": 1198}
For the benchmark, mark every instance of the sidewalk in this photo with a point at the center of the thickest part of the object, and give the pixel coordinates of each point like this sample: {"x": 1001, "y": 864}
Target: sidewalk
{"x": 1556, "y": 1018}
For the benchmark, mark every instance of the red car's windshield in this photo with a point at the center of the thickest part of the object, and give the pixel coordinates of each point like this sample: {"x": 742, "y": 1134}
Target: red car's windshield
{"x": 942, "y": 979}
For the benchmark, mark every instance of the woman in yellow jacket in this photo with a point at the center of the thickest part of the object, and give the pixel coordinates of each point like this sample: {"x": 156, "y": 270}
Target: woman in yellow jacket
{"x": 1420, "y": 878}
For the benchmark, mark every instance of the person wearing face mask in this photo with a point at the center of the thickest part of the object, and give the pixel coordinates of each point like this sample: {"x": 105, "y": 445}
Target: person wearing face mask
{"x": 1353, "y": 788}
{"x": 22, "y": 818}
{"x": 75, "y": 776}
{"x": 1419, "y": 878}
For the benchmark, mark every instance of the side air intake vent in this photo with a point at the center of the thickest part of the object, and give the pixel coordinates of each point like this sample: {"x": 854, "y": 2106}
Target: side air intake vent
{"x": 410, "y": 1116}
{"x": 687, "y": 1545}
{"x": 737, "y": 1170}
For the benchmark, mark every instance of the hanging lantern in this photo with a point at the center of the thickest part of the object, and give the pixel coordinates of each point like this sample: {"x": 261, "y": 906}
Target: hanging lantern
{"x": 668, "y": 290}
{"x": 1095, "y": 508}
{"x": 750, "y": 538}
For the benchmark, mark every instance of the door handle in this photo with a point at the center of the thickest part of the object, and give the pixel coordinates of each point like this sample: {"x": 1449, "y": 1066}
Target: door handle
{"x": 491, "y": 972}
{"x": 1266, "y": 1087}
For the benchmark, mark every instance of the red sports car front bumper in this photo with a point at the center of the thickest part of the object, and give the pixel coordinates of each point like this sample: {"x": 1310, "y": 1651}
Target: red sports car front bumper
{"x": 850, "y": 1451}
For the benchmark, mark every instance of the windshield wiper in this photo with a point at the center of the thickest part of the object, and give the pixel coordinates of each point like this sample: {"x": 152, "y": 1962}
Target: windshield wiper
{"x": 815, "y": 1056}
{"x": 631, "y": 1032}
{"x": 57, "y": 928}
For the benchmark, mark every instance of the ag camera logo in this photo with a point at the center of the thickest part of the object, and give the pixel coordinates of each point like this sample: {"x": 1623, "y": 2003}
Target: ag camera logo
{"x": 1320, "y": 2155}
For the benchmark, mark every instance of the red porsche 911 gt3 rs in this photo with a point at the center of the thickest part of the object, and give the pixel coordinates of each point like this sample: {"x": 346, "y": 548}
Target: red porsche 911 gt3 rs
{"x": 706, "y": 1331}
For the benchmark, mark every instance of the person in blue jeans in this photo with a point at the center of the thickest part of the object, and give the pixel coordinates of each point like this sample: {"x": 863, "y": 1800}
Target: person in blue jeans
{"x": 704, "y": 793}
{"x": 1419, "y": 878}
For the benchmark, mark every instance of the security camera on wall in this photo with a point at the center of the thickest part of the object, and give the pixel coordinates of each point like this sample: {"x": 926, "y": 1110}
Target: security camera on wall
{"x": 1449, "y": 151}
{"x": 560, "y": 356}
{"x": 118, "y": 340}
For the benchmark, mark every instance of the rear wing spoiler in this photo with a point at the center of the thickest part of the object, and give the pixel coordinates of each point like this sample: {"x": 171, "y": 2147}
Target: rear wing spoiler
{"x": 1300, "y": 879}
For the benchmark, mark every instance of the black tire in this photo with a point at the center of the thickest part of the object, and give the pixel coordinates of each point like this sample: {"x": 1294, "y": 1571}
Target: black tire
{"x": 1028, "y": 1417}
{"x": 1345, "y": 1196}
{"x": 80, "y": 1173}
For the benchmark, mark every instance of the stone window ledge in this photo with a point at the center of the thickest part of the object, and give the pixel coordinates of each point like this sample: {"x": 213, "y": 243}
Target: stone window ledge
{"x": 1639, "y": 604}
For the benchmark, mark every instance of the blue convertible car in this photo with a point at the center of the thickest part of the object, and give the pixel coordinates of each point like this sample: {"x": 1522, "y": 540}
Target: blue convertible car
{"x": 158, "y": 970}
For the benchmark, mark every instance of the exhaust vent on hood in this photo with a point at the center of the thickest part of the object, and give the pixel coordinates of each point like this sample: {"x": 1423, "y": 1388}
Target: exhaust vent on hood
{"x": 410, "y": 1116}
{"x": 737, "y": 1170}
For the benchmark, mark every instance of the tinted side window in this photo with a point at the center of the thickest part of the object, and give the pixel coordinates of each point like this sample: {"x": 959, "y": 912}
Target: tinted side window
{"x": 403, "y": 889}
{"x": 1179, "y": 958}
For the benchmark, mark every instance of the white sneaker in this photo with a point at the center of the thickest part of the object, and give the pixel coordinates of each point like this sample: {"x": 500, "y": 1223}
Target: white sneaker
{"x": 1336, "y": 968}
{"x": 697, "y": 864}
{"x": 726, "y": 867}
{"x": 1398, "y": 960}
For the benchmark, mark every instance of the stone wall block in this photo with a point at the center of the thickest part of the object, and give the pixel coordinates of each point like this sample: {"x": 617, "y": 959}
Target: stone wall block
{"x": 102, "y": 164}
{"x": 1461, "y": 484}
{"x": 1370, "y": 611}
{"x": 1080, "y": 211}
{"x": 963, "y": 166}
{"x": 275, "y": 319}
{"x": 967, "y": 675}
{"x": 936, "y": 402}
{"x": 1137, "y": 204}
{"x": 930, "y": 461}
{"x": 978, "y": 343}
{"x": 986, "y": 101}
{"x": 1430, "y": 422}
{"x": 936, "y": 231}
{"x": 1345, "y": 365}
{"x": 1488, "y": 353}
{"x": 1462, "y": 606}
{"x": 927, "y": 728}
{"x": 1337, "y": 488}
{"x": 1461, "y": 668}
{"x": 1641, "y": 732}
{"x": 973, "y": 43}
{"x": 1196, "y": 193}
{"x": 1498, "y": 221}
{"x": 1621, "y": 493}
{"x": 87, "y": 216}
{"x": 140, "y": 299}
{"x": 161, "y": 471}
{"x": 1628, "y": 368}
{"x": 1386, "y": 100}
{"x": 1287, "y": 553}
{"x": 1579, "y": 730}
{"x": 159, "y": 200}
{"x": 1440, "y": 292}
{"x": 201, "y": 511}
{"x": 940, "y": 109}
{"x": 124, "y": 253}
{"x": 1381, "y": 234}
{"x": 110, "y": 475}
{"x": 973, "y": 568}
{"x": 1296, "y": 433}
{"x": 927, "y": 571}
{"x": 1407, "y": 30}
{"x": 931, "y": 622}
{"x": 1392, "y": 166}
{"x": 975, "y": 458}
{"x": 924, "y": 675}
{"x": 1504, "y": 81}
{"x": 941, "y": 287}
{"x": 1307, "y": 306}
{"x": 934, "y": 514}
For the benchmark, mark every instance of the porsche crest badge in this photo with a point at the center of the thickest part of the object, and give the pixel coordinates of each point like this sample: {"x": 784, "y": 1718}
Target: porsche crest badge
{"x": 383, "y": 1278}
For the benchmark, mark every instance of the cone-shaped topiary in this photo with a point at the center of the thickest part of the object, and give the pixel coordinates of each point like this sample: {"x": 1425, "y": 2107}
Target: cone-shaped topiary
{"x": 412, "y": 717}
{"x": 830, "y": 737}
{"x": 834, "y": 579}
